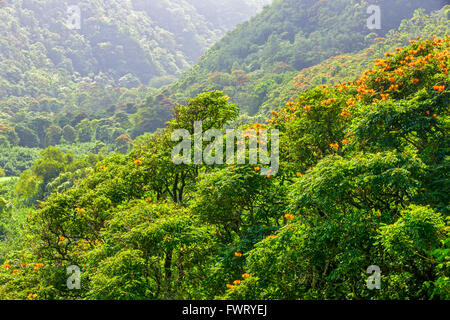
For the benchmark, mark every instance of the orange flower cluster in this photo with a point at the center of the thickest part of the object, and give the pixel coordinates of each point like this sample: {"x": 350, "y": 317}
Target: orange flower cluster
{"x": 38, "y": 266}
{"x": 245, "y": 276}
{"x": 256, "y": 169}
{"x": 388, "y": 76}
{"x": 439, "y": 88}
{"x": 236, "y": 282}
{"x": 384, "y": 96}
{"x": 80, "y": 210}
{"x": 32, "y": 296}
{"x": 328, "y": 101}
{"x": 391, "y": 73}
{"x": 380, "y": 63}
{"x": 350, "y": 102}
{"x": 259, "y": 126}
{"x": 341, "y": 87}
{"x": 62, "y": 238}
{"x": 393, "y": 87}
{"x": 400, "y": 71}
{"x": 271, "y": 236}
{"x": 256, "y": 127}
{"x": 137, "y": 162}
{"x": 289, "y": 216}
{"x": 345, "y": 114}
{"x": 362, "y": 89}
{"x": 238, "y": 254}
{"x": 362, "y": 80}
{"x": 6, "y": 266}
{"x": 334, "y": 146}
{"x": 287, "y": 113}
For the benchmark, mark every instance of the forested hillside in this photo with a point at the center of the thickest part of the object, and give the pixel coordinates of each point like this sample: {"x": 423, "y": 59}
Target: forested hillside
{"x": 264, "y": 54}
{"x": 130, "y": 41}
{"x": 60, "y": 86}
{"x": 355, "y": 122}
{"x": 363, "y": 181}
{"x": 345, "y": 67}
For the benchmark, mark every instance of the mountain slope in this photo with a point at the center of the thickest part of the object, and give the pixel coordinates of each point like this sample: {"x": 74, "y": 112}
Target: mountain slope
{"x": 287, "y": 37}
{"x": 362, "y": 182}
{"x": 347, "y": 67}
{"x": 138, "y": 40}
{"x": 53, "y": 78}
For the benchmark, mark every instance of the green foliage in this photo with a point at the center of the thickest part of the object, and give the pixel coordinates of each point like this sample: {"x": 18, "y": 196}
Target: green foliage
{"x": 212, "y": 108}
{"x": 363, "y": 181}
{"x": 164, "y": 240}
{"x": 236, "y": 199}
{"x": 34, "y": 184}
{"x": 15, "y": 160}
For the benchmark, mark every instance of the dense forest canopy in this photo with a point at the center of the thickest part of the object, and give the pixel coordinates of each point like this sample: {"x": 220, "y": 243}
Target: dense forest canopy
{"x": 60, "y": 85}
{"x": 357, "y": 120}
